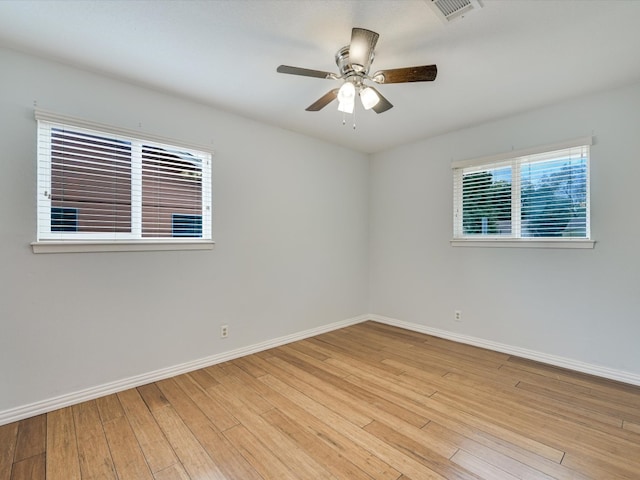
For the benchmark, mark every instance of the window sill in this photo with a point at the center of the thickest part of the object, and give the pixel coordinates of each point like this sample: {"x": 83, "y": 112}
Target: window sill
{"x": 522, "y": 243}
{"x": 118, "y": 246}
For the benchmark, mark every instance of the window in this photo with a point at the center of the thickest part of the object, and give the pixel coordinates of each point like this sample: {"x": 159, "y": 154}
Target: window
{"x": 528, "y": 196}
{"x": 102, "y": 185}
{"x": 186, "y": 225}
{"x": 64, "y": 219}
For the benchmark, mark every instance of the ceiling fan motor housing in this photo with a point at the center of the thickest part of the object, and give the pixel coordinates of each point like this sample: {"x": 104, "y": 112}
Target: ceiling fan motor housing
{"x": 342, "y": 61}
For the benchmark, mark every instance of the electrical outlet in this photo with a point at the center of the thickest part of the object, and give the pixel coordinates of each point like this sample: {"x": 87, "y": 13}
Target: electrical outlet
{"x": 224, "y": 331}
{"x": 457, "y": 315}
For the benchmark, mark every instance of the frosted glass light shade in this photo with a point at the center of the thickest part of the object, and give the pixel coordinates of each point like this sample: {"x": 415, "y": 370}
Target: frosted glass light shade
{"x": 346, "y": 106}
{"x": 369, "y": 98}
{"x": 347, "y": 92}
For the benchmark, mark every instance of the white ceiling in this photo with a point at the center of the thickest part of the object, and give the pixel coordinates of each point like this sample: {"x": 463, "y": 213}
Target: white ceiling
{"x": 509, "y": 56}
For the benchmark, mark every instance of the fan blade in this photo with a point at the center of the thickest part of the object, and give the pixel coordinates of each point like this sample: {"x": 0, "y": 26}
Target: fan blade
{"x": 363, "y": 43}
{"x": 323, "y": 101}
{"x": 305, "y": 72}
{"x": 423, "y": 73}
{"x": 383, "y": 104}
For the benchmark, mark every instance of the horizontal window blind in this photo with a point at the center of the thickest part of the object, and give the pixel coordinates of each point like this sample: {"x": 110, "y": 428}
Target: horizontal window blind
{"x": 541, "y": 195}
{"x": 95, "y": 185}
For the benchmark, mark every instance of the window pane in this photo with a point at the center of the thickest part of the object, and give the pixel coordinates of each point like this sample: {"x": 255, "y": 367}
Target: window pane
{"x": 91, "y": 175}
{"x": 486, "y": 202}
{"x": 187, "y": 225}
{"x": 64, "y": 219}
{"x": 171, "y": 185}
{"x": 554, "y": 198}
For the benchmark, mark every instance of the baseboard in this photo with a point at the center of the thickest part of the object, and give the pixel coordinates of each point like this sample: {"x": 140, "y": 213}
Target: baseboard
{"x": 597, "y": 370}
{"x": 44, "y": 406}
{"x": 48, "y": 405}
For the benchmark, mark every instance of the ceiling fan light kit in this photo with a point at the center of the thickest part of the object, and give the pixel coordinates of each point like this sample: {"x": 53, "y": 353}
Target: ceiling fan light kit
{"x": 369, "y": 98}
{"x": 354, "y": 61}
{"x": 347, "y": 97}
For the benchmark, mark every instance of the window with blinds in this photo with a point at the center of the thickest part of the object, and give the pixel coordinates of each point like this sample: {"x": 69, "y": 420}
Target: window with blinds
{"x": 536, "y": 194}
{"x": 109, "y": 186}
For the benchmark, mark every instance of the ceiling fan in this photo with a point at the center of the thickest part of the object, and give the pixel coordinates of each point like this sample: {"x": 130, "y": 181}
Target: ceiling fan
{"x": 354, "y": 61}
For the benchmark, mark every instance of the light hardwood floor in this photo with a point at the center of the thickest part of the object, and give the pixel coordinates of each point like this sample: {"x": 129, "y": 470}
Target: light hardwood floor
{"x": 366, "y": 402}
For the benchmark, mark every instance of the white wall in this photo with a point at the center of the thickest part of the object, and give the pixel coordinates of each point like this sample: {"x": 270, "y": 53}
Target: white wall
{"x": 578, "y": 304}
{"x": 290, "y": 224}
{"x": 306, "y": 234}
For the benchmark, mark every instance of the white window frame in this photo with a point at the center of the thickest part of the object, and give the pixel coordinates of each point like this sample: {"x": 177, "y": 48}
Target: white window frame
{"x": 515, "y": 240}
{"x": 48, "y": 241}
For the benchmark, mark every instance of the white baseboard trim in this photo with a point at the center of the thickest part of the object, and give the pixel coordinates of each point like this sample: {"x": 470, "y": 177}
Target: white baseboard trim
{"x": 48, "y": 405}
{"x": 597, "y": 370}
{"x": 44, "y": 406}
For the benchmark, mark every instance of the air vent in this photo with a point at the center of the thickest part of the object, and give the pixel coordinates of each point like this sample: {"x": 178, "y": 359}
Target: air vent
{"x": 449, "y": 10}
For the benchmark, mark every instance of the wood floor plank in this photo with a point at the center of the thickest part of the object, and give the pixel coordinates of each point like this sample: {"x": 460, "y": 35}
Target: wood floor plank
{"x": 393, "y": 382}
{"x": 216, "y": 371}
{"x": 8, "y": 439}
{"x": 62, "y": 462}
{"x": 423, "y": 452}
{"x": 31, "y": 468}
{"x": 345, "y": 393}
{"x": 305, "y": 358}
{"x": 303, "y": 348}
{"x": 155, "y": 447}
{"x": 336, "y": 342}
{"x": 600, "y": 468}
{"x": 580, "y": 385}
{"x": 126, "y": 453}
{"x": 109, "y": 407}
{"x": 415, "y": 433}
{"x": 174, "y": 472}
{"x": 338, "y": 353}
{"x": 555, "y": 431}
{"x": 397, "y": 460}
{"x": 258, "y": 455}
{"x": 440, "y": 411}
{"x": 203, "y": 378}
{"x": 631, "y": 426}
{"x": 152, "y": 396}
{"x": 320, "y": 430}
{"x": 32, "y": 437}
{"x": 433, "y": 356}
{"x": 556, "y": 408}
{"x": 287, "y": 452}
{"x": 347, "y": 405}
{"x": 219, "y": 416}
{"x": 93, "y": 451}
{"x": 249, "y": 367}
{"x": 428, "y": 341}
{"x": 618, "y": 390}
{"x": 504, "y": 462}
{"x": 334, "y": 461}
{"x": 481, "y": 468}
{"x": 192, "y": 455}
{"x": 191, "y": 411}
{"x": 551, "y": 403}
{"x": 618, "y": 412}
{"x": 235, "y": 387}
{"x": 502, "y": 454}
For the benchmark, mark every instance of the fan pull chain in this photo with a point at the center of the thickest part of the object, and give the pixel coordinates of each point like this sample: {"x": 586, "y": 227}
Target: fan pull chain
{"x": 344, "y": 119}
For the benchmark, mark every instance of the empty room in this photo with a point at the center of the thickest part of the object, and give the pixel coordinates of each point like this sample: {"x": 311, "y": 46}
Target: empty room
{"x": 309, "y": 239}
